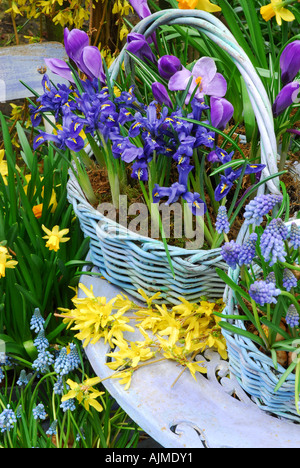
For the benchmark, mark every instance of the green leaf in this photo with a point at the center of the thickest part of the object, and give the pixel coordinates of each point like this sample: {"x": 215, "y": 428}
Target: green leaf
{"x": 238, "y": 331}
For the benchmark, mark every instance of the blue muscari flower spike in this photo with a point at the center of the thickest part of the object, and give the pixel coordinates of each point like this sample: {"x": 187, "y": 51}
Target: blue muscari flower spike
{"x": 222, "y": 223}
{"x": 272, "y": 242}
{"x": 58, "y": 387}
{"x": 61, "y": 364}
{"x": 1, "y": 374}
{"x": 37, "y": 321}
{"x": 292, "y": 316}
{"x": 264, "y": 293}
{"x": 230, "y": 252}
{"x": 259, "y": 207}
{"x": 271, "y": 278}
{"x": 295, "y": 236}
{"x": 68, "y": 405}
{"x": 43, "y": 362}
{"x": 7, "y": 419}
{"x": 23, "y": 378}
{"x": 39, "y": 412}
{"x": 74, "y": 357}
{"x": 41, "y": 342}
{"x": 52, "y": 429}
{"x": 289, "y": 279}
{"x": 248, "y": 250}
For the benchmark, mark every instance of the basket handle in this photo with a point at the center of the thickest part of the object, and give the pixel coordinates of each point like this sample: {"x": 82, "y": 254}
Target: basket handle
{"x": 214, "y": 29}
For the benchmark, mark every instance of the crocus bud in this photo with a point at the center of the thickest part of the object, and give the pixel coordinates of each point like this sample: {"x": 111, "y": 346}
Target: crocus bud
{"x": 287, "y": 96}
{"x": 161, "y": 94}
{"x": 290, "y": 62}
{"x": 221, "y": 112}
{"x": 168, "y": 65}
{"x": 137, "y": 45}
{"x": 74, "y": 42}
{"x": 90, "y": 63}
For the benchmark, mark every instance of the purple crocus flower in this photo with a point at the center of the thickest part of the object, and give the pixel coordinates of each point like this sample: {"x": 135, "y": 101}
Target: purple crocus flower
{"x": 141, "y": 8}
{"x": 168, "y": 65}
{"x": 161, "y": 95}
{"x": 205, "y": 80}
{"x": 90, "y": 62}
{"x": 221, "y": 112}
{"x": 75, "y": 41}
{"x": 137, "y": 45}
{"x": 290, "y": 62}
{"x": 287, "y": 96}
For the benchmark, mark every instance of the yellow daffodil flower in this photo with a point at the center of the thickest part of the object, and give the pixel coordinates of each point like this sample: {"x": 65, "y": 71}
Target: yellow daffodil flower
{"x": 3, "y": 167}
{"x": 205, "y": 5}
{"x": 55, "y": 237}
{"x": 277, "y": 8}
{"x": 85, "y": 393}
{"x": 5, "y": 261}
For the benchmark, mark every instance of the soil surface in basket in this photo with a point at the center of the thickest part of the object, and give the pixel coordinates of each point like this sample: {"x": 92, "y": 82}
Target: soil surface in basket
{"x": 100, "y": 184}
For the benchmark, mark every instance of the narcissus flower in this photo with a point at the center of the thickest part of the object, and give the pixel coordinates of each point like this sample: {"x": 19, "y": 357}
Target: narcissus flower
{"x": 277, "y": 8}
{"x": 205, "y": 5}
{"x": 5, "y": 261}
{"x": 55, "y": 237}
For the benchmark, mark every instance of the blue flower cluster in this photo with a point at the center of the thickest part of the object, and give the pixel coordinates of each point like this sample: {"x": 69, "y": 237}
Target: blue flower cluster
{"x": 264, "y": 293}
{"x": 292, "y": 317}
{"x": 137, "y": 134}
{"x": 7, "y": 419}
{"x": 259, "y": 207}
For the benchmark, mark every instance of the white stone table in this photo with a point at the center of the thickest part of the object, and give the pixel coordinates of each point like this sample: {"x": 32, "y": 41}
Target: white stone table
{"x": 212, "y": 412}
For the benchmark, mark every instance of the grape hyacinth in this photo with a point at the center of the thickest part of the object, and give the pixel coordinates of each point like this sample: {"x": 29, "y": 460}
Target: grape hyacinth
{"x": 271, "y": 278}
{"x": 68, "y": 405}
{"x": 7, "y": 419}
{"x": 289, "y": 279}
{"x": 41, "y": 342}
{"x": 39, "y": 412}
{"x": 295, "y": 236}
{"x": 292, "y": 316}
{"x": 37, "y": 321}
{"x": 222, "y": 223}
{"x": 259, "y": 207}
{"x": 52, "y": 429}
{"x": 23, "y": 378}
{"x": 230, "y": 252}
{"x": 247, "y": 252}
{"x": 272, "y": 242}
{"x": 264, "y": 293}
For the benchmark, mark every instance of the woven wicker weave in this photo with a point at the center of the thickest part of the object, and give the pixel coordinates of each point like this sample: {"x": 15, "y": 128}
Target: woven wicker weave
{"x": 131, "y": 261}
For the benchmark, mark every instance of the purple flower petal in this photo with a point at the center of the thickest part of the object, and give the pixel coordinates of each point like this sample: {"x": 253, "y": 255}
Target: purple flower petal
{"x": 216, "y": 87}
{"x": 161, "y": 94}
{"x": 90, "y": 63}
{"x": 180, "y": 80}
{"x": 287, "y": 96}
{"x": 59, "y": 67}
{"x": 168, "y": 65}
{"x": 205, "y": 68}
{"x": 141, "y": 8}
{"x": 74, "y": 42}
{"x": 290, "y": 62}
{"x": 221, "y": 112}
